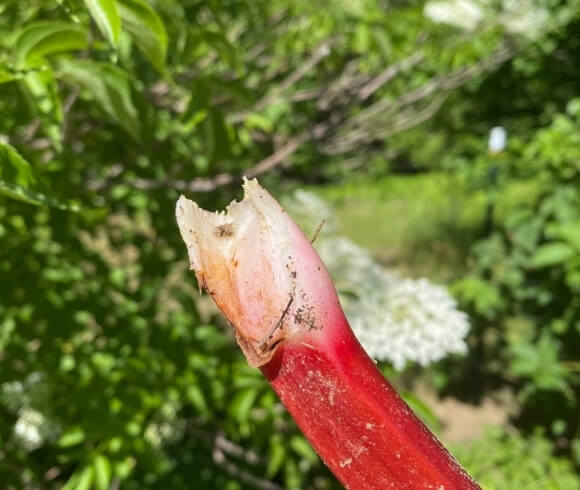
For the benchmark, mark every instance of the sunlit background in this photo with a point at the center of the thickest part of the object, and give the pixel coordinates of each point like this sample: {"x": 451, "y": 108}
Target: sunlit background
{"x": 439, "y": 144}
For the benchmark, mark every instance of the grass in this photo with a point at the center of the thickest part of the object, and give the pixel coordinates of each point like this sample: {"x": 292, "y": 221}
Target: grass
{"x": 420, "y": 225}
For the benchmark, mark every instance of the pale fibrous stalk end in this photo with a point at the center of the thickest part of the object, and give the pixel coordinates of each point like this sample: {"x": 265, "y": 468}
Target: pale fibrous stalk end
{"x": 260, "y": 269}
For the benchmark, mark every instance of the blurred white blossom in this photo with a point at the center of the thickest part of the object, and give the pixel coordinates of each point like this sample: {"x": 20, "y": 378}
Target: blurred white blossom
{"x": 523, "y": 17}
{"x": 167, "y": 426}
{"x": 497, "y": 139}
{"x": 31, "y": 391}
{"x": 464, "y": 14}
{"x": 395, "y": 319}
{"x": 353, "y": 270}
{"x": 158, "y": 434}
{"x": 33, "y": 429}
{"x": 25, "y": 398}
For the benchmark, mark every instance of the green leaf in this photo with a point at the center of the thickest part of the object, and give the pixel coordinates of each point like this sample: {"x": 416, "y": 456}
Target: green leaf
{"x": 422, "y": 410}
{"x": 14, "y": 168}
{"x": 85, "y": 479}
{"x": 242, "y": 403}
{"x": 260, "y": 122}
{"x": 6, "y": 76}
{"x": 72, "y": 437}
{"x": 17, "y": 181}
{"x": 146, "y": 29}
{"x": 223, "y": 46}
{"x": 41, "y": 89}
{"x": 235, "y": 88}
{"x": 123, "y": 468}
{"x": 218, "y": 138}
{"x": 383, "y": 42}
{"x": 48, "y": 37}
{"x": 541, "y": 363}
{"x": 302, "y": 448}
{"x": 111, "y": 88}
{"x": 199, "y": 100}
{"x": 71, "y": 484}
{"x": 102, "y": 468}
{"x": 106, "y": 16}
{"x": 277, "y": 456}
{"x": 485, "y": 296}
{"x": 293, "y": 476}
{"x": 568, "y": 232}
{"x": 551, "y": 254}
{"x": 197, "y": 398}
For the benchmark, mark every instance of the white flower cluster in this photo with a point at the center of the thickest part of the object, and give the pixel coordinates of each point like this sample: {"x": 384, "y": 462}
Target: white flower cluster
{"x": 522, "y": 17}
{"x": 395, "y": 319}
{"x": 464, "y": 14}
{"x": 167, "y": 426}
{"x": 32, "y": 428}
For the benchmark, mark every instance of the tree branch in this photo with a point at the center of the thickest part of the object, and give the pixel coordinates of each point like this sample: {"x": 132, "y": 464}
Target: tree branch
{"x": 220, "y": 459}
{"x": 447, "y": 82}
{"x": 390, "y": 73}
{"x": 402, "y": 122}
{"x": 379, "y": 120}
{"x": 321, "y": 52}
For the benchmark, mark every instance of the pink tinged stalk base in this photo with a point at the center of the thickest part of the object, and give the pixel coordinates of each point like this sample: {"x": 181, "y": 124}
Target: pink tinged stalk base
{"x": 269, "y": 282}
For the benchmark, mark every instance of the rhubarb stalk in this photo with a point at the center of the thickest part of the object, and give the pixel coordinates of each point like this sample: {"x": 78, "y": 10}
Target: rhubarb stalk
{"x": 272, "y": 287}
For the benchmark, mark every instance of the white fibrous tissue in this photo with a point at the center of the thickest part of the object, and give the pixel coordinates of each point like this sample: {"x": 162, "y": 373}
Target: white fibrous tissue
{"x": 396, "y": 319}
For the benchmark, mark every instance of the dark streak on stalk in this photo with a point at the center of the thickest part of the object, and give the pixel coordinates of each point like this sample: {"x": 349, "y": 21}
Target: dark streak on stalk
{"x": 279, "y": 325}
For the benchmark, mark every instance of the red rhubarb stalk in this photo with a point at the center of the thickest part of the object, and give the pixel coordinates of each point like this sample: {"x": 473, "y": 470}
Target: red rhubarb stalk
{"x": 267, "y": 279}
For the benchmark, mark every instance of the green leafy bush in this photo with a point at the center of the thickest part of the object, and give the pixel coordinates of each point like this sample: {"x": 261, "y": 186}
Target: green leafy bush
{"x": 525, "y": 282}
{"x": 508, "y": 460}
{"x": 114, "y": 373}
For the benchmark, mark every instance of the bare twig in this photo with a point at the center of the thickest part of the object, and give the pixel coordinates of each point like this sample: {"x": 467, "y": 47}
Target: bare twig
{"x": 70, "y": 100}
{"x": 277, "y": 157}
{"x": 222, "y": 447}
{"x": 448, "y": 82}
{"x": 220, "y": 459}
{"x": 390, "y": 73}
{"x": 379, "y": 120}
{"x": 402, "y": 122}
{"x": 321, "y": 52}
{"x": 67, "y": 107}
{"x": 30, "y": 131}
{"x": 233, "y": 449}
{"x": 209, "y": 184}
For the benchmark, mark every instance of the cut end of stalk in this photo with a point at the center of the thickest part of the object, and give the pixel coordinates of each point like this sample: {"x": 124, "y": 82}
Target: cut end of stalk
{"x": 267, "y": 279}
{"x": 260, "y": 270}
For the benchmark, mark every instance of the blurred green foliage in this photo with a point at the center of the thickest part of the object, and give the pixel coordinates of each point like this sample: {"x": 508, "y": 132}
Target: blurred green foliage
{"x": 508, "y": 460}
{"x": 525, "y": 278}
{"x": 113, "y": 373}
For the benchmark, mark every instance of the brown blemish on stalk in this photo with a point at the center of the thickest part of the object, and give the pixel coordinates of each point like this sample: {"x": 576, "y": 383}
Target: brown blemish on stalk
{"x": 305, "y": 316}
